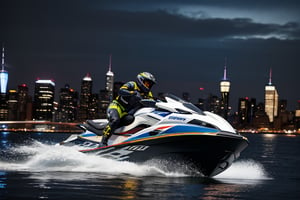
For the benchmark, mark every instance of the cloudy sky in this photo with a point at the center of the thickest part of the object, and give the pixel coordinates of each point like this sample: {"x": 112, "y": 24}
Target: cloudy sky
{"x": 183, "y": 43}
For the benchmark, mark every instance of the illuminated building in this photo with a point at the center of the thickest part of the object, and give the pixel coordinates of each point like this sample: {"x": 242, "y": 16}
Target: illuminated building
{"x": 43, "y": 100}
{"x": 19, "y": 104}
{"x": 3, "y": 107}
{"x": 224, "y": 88}
{"x": 68, "y": 99}
{"x": 110, "y": 91}
{"x": 3, "y": 88}
{"x": 284, "y": 119}
{"x": 243, "y": 110}
{"x": 213, "y": 103}
{"x": 93, "y": 111}
{"x": 3, "y": 76}
{"x": 12, "y": 105}
{"x": 297, "y": 116}
{"x": 246, "y": 112}
{"x": 271, "y": 100}
{"x": 109, "y": 84}
{"x": 85, "y": 97}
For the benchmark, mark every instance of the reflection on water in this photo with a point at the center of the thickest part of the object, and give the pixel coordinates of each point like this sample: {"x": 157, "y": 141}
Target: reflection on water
{"x": 89, "y": 185}
{"x": 3, "y": 180}
{"x": 224, "y": 191}
{"x": 269, "y": 145}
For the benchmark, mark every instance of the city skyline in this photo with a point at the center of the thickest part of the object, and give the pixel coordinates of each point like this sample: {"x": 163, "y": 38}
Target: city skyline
{"x": 271, "y": 103}
{"x": 109, "y": 81}
{"x": 98, "y": 90}
{"x": 182, "y": 43}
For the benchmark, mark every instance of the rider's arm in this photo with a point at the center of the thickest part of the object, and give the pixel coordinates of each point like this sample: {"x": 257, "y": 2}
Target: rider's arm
{"x": 127, "y": 89}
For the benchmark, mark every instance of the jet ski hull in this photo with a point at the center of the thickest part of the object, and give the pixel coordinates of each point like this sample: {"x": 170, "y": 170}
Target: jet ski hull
{"x": 208, "y": 153}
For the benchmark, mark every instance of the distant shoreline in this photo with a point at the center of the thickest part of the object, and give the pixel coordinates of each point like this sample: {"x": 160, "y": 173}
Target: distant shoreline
{"x": 39, "y": 126}
{"x": 67, "y": 127}
{"x": 279, "y": 132}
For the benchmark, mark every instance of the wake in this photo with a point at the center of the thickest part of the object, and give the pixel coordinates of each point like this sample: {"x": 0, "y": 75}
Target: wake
{"x": 41, "y": 158}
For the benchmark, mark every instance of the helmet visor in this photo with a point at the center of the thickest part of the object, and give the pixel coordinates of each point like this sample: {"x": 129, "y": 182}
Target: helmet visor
{"x": 148, "y": 84}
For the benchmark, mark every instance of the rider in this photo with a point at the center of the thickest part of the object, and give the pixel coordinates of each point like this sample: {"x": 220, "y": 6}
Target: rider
{"x": 127, "y": 102}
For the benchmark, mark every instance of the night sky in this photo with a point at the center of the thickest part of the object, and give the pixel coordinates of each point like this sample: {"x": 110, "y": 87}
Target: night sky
{"x": 183, "y": 43}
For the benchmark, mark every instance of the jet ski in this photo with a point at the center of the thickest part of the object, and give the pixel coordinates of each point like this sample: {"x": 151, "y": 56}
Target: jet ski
{"x": 171, "y": 130}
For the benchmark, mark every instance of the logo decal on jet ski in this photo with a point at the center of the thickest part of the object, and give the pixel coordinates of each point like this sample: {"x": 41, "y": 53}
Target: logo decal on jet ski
{"x": 88, "y": 144}
{"x": 177, "y": 118}
{"x": 123, "y": 153}
{"x": 137, "y": 148}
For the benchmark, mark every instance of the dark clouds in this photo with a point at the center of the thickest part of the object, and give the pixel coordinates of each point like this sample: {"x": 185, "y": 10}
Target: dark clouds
{"x": 184, "y": 43}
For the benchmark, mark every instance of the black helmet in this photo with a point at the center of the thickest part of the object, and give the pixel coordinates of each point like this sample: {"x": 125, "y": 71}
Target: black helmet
{"x": 145, "y": 81}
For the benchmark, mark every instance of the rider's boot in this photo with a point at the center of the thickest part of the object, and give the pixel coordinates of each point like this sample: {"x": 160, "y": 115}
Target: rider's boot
{"x": 105, "y": 136}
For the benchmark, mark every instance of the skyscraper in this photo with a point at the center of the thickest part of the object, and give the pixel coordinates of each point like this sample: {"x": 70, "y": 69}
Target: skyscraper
{"x": 246, "y": 112}
{"x": 109, "y": 84}
{"x": 12, "y": 103}
{"x": 224, "y": 88}
{"x": 3, "y": 90}
{"x": 44, "y": 100}
{"x": 85, "y": 97}
{"x": 68, "y": 99}
{"x": 107, "y": 95}
{"x": 24, "y": 103}
{"x": 3, "y": 75}
{"x": 243, "y": 111}
{"x": 271, "y": 99}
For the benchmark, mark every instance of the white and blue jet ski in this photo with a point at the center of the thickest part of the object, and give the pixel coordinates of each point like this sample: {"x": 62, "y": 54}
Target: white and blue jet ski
{"x": 172, "y": 130}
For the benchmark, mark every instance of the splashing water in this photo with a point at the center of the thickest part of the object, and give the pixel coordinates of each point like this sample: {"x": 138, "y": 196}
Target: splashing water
{"x": 245, "y": 171}
{"x": 44, "y": 157}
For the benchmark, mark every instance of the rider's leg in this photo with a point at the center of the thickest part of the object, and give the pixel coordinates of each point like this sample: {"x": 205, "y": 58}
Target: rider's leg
{"x": 113, "y": 123}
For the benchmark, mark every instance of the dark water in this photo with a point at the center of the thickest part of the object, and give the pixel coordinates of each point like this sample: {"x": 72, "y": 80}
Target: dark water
{"x": 267, "y": 169}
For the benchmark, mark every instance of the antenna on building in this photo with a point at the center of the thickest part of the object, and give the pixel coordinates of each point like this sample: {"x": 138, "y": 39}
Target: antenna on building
{"x": 2, "y": 64}
{"x": 270, "y": 77}
{"x": 109, "y": 85}
{"x": 109, "y": 66}
{"x": 109, "y": 72}
{"x": 225, "y": 70}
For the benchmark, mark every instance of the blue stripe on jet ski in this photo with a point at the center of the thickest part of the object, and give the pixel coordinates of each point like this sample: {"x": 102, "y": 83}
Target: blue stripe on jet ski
{"x": 87, "y": 134}
{"x": 178, "y": 129}
{"x": 182, "y": 129}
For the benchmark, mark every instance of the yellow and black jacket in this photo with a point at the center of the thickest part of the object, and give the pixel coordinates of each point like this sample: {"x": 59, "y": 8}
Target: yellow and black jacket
{"x": 128, "y": 98}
